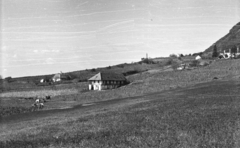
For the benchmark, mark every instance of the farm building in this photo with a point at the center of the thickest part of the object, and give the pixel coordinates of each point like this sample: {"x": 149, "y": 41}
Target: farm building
{"x": 198, "y": 57}
{"x": 61, "y": 76}
{"x": 56, "y": 77}
{"x": 230, "y": 54}
{"x": 103, "y": 81}
{"x": 45, "y": 80}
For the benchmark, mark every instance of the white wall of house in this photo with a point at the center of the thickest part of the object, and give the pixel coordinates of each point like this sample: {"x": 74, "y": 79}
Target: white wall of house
{"x": 56, "y": 79}
{"x": 96, "y": 85}
{"x": 198, "y": 57}
{"x": 100, "y": 85}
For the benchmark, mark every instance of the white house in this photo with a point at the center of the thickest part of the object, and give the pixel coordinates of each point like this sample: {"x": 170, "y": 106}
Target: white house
{"x": 42, "y": 80}
{"x": 198, "y": 57}
{"x": 103, "y": 81}
{"x": 56, "y": 77}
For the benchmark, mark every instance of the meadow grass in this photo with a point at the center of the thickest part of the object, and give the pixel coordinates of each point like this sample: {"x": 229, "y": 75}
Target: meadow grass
{"x": 40, "y": 93}
{"x": 206, "y": 115}
{"x": 53, "y": 90}
{"x": 68, "y": 95}
{"x": 154, "y": 82}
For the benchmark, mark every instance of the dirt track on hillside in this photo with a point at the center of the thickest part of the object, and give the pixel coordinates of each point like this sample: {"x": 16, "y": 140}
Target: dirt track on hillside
{"x": 209, "y": 86}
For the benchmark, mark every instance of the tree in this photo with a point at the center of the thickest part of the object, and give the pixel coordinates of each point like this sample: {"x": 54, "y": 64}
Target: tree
{"x": 1, "y": 77}
{"x": 215, "y": 53}
{"x": 181, "y": 55}
{"x": 173, "y": 56}
{"x": 234, "y": 49}
{"x": 8, "y": 79}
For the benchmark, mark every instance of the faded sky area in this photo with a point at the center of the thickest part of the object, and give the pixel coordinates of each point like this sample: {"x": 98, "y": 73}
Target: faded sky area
{"x": 49, "y": 36}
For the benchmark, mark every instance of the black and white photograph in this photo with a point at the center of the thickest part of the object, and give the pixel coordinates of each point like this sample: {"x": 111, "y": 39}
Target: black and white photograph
{"x": 119, "y": 73}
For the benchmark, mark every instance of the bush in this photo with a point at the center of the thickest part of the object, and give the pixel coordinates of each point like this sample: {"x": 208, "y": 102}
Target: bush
{"x": 169, "y": 62}
{"x": 8, "y": 79}
{"x": 181, "y": 55}
{"x": 120, "y": 66}
{"x": 237, "y": 57}
{"x": 194, "y": 63}
{"x": 147, "y": 61}
{"x": 173, "y": 63}
{"x": 173, "y": 56}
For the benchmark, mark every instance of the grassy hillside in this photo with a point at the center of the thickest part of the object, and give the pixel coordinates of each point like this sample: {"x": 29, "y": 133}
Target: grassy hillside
{"x": 154, "y": 80}
{"x": 33, "y": 82}
{"x": 205, "y": 115}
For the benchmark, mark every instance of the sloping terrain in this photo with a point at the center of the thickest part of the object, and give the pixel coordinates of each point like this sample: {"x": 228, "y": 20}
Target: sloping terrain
{"x": 67, "y": 96}
{"x": 228, "y": 41}
{"x": 33, "y": 82}
{"x": 205, "y": 115}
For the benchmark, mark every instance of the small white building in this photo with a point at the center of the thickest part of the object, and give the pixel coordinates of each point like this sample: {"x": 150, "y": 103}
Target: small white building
{"x": 56, "y": 77}
{"x": 42, "y": 80}
{"x": 227, "y": 55}
{"x": 198, "y": 57}
{"x": 103, "y": 81}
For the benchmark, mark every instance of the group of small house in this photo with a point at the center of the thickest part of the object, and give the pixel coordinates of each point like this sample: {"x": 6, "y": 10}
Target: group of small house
{"x": 191, "y": 64}
{"x": 230, "y": 54}
{"x": 56, "y": 78}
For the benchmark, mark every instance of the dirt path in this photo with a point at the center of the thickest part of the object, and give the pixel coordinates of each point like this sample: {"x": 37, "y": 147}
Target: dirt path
{"x": 107, "y": 104}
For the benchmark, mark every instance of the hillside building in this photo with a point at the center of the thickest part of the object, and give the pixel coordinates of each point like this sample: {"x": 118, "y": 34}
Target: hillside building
{"x": 56, "y": 77}
{"x": 102, "y": 81}
{"x": 230, "y": 54}
{"x": 60, "y": 76}
{"x": 198, "y": 57}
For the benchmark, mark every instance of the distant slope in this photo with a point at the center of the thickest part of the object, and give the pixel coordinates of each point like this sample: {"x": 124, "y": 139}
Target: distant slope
{"x": 228, "y": 41}
{"x": 83, "y": 75}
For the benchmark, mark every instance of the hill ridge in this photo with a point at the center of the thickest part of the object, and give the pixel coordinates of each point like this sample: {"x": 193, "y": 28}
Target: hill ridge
{"x": 228, "y": 41}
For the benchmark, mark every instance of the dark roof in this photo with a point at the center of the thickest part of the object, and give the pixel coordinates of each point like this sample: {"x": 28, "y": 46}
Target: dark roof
{"x": 65, "y": 76}
{"x": 108, "y": 76}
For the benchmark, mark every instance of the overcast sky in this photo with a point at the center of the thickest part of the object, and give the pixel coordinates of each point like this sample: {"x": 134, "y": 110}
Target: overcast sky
{"x": 49, "y": 36}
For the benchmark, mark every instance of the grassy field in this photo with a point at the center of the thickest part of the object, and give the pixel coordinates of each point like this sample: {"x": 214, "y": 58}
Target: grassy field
{"x": 144, "y": 83}
{"x": 33, "y": 82}
{"x": 15, "y": 102}
{"x": 69, "y": 95}
{"x": 206, "y": 115}
{"x": 157, "y": 109}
